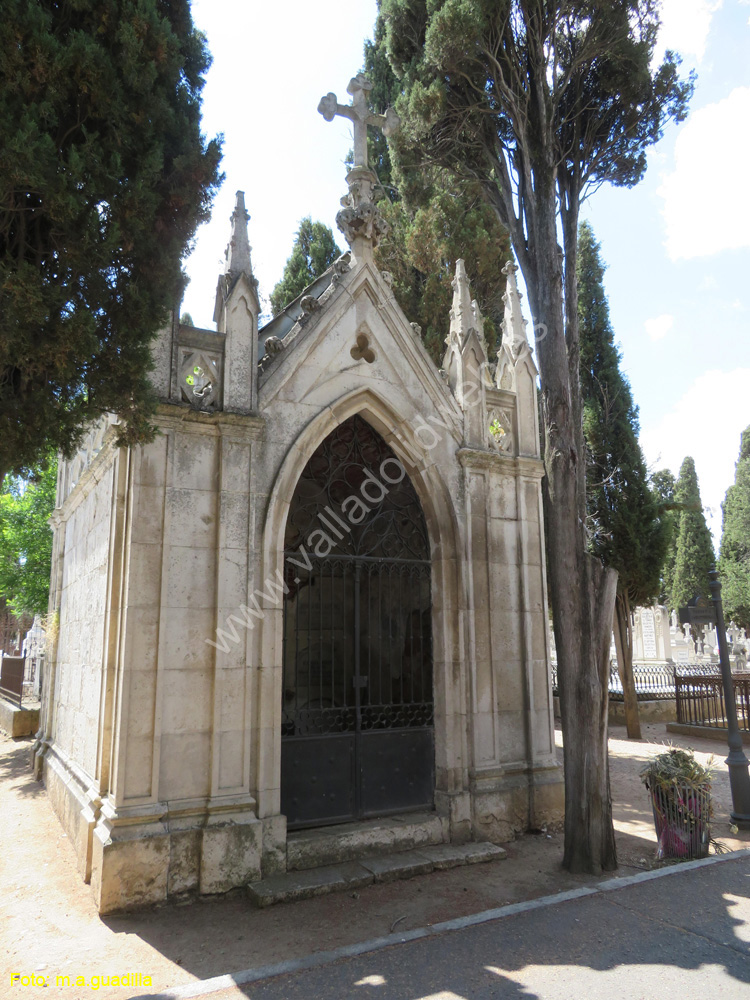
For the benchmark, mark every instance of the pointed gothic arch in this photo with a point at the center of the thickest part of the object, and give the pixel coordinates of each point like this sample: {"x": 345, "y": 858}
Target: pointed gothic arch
{"x": 450, "y": 685}
{"x": 357, "y": 736}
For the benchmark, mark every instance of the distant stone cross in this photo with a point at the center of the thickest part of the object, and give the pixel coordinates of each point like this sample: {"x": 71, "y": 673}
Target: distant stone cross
{"x": 359, "y": 113}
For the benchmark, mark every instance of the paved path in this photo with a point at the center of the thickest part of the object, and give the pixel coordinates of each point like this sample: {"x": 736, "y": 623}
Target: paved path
{"x": 684, "y": 933}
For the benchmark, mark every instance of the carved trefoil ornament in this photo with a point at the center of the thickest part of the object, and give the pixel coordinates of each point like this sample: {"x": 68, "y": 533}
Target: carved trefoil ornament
{"x": 200, "y": 379}
{"x": 362, "y": 350}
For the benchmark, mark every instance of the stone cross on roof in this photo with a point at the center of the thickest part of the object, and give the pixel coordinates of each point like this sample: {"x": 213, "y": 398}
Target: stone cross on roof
{"x": 359, "y": 113}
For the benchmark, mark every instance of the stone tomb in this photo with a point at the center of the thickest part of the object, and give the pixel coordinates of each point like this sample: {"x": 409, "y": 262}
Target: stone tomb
{"x": 316, "y": 598}
{"x": 652, "y": 639}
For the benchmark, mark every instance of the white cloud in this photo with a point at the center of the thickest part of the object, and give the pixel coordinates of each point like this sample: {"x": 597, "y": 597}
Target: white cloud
{"x": 706, "y": 197}
{"x": 685, "y": 25}
{"x": 706, "y": 423}
{"x": 658, "y": 327}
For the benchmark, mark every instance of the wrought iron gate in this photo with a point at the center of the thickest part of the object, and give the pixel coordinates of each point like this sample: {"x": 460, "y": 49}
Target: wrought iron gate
{"x": 357, "y": 713}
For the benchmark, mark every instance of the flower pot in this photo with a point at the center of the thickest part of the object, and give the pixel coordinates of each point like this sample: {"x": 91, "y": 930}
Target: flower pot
{"x": 682, "y": 820}
{"x": 680, "y": 792}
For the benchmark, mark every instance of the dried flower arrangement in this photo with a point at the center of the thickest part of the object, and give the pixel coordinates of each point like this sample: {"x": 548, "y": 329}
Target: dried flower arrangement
{"x": 680, "y": 789}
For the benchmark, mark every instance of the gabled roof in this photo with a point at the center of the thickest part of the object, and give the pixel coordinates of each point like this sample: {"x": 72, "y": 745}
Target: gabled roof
{"x": 283, "y": 322}
{"x": 352, "y": 329}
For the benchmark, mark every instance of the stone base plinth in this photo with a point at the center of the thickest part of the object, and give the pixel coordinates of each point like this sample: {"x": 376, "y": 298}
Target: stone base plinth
{"x": 515, "y": 803}
{"x": 654, "y": 710}
{"x": 17, "y": 721}
{"x": 135, "y": 860}
{"x": 140, "y": 856}
{"x": 705, "y": 732}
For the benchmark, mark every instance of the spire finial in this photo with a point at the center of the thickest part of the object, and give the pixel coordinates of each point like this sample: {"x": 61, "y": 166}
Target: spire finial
{"x": 514, "y": 325}
{"x": 238, "y": 250}
{"x": 463, "y": 317}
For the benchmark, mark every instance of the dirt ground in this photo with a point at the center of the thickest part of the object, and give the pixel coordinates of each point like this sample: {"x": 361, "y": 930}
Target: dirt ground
{"x": 51, "y": 928}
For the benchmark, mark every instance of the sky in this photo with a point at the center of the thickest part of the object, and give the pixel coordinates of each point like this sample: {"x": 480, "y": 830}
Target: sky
{"x": 677, "y": 245}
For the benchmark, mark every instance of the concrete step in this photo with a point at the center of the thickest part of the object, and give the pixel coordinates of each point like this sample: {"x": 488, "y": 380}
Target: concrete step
{"x": 378, "y": 868}
{"x": 332, "y": 845}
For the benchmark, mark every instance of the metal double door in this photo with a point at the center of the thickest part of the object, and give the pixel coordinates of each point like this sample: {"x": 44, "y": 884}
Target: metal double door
{"x": 357, "y": 712}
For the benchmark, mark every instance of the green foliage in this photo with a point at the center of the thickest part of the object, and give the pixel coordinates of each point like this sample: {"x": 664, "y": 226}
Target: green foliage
{"x": 694, "y": 555}
{"x": 627, "y": 530}
{"x": 104, "y": 177}
{"x": 676, "y": 767}
{"x": 385, "y": 91}
{"x": 421, "y": 249}
{"x": 470, "y": 71}
{"x": 313, "y": 252}
{"x": 734, "y": 556}
{"x": 434, "y": 217}
{"x": 26, "y": 539}
{"x": 665, "y": 486}
{"x": 535, "y": 104}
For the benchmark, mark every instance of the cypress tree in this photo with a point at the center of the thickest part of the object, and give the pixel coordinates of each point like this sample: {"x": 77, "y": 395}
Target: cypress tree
{"x": 542, "y": 103}
{"x": 694, "y": 555}
{"x": 625, "y": 526}
{"x": 104, "y": 178}
{"x": 734, "y": 557}
{"x": 314, "y": 250}
{"x": 434, "y": 217}
{"x": 665, "y": 485}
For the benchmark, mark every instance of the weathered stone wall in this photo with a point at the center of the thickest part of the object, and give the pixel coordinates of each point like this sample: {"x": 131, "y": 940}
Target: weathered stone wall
{"x": 182, "y": 737}
{"x": 83, "y": 607}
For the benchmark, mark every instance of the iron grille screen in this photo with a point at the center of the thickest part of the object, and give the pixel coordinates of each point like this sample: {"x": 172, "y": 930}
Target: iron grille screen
{"x": 357, "y": 635}
{"x": 357, "y": 639}
{"x": 355, "y": 493}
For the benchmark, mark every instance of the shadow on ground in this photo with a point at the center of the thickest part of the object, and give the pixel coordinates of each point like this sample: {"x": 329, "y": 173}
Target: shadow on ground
{"x": 15, "y": 767}
{"x": 683, "y": 935}
{"x": 208, "y": 938}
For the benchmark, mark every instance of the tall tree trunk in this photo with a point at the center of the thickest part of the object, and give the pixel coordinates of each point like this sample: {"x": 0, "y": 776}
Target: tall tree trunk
{"x": 624, "y": 646}
{"x": 582, "y": 591}
{"x": 569, "y": 211}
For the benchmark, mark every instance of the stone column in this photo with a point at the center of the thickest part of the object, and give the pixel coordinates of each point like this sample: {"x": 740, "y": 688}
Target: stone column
{"x": 232, "y": 839}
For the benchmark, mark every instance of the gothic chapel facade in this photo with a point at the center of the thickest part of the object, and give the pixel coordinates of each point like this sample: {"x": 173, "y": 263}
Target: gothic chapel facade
{"x": 315, "y": 604}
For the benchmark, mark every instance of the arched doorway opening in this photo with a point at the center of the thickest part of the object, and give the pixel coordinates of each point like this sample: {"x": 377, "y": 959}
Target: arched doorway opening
{"x": 357, "y": 697}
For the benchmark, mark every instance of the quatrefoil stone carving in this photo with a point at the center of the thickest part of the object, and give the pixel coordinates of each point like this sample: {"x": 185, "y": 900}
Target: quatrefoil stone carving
{"x": 362, "y": 350}
{"x": 501, "y": 431}
{"x": 200, "y": 379}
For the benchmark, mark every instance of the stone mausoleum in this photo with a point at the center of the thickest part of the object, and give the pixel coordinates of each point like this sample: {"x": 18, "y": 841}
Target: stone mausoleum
{"x": 316, "y": 601}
